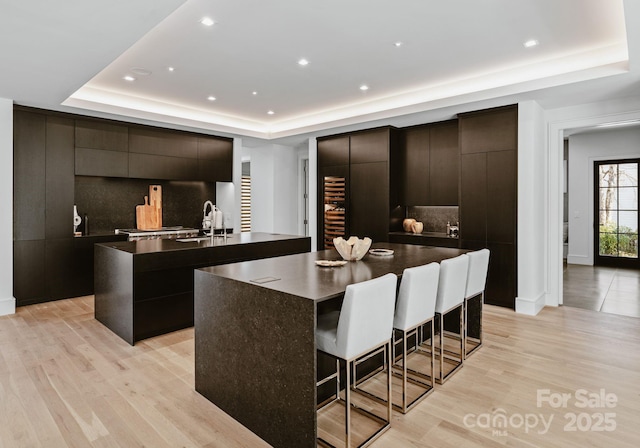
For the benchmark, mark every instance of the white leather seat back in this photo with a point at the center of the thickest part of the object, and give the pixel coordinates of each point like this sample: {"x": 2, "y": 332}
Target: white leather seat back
{"x": 452, "y": 283}
{"x": 366, "y": 317}
{"x": 478, "y": 267}
{"x": 417, "y": 296}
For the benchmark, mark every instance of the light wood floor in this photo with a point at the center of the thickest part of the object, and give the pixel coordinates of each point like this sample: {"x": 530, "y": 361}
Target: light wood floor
{"x": 65, "y": 380}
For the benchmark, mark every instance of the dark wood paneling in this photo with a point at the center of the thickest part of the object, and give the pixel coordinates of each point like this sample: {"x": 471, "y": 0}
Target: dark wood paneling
{"x": 147, "y": 166}
{"x": 493, "y": 130}
{"x": 369, "y": 146}
{"x": 101, "y": 135}
{"x": 28, "y": 272}
{"x": 502, "y": 194}
{"x": 414, "y": 166}
{"x": 60, "y": 268}
{"x": 501, "y": 279}
{"x": 369, "y": 201}
{"x": 215, "y": 159}
{"x": 59, "y": 177}
{"x": 163, "y": 315}
{"x": 473, "y": 197}
{"x": 214, "y": 171}
{"x": 96, "y": 162}
{"x": 444, "y": 161}
{"x": 162, "y": 143}
{"x": 29, "y": 174}
{"x": 333, "y": 151}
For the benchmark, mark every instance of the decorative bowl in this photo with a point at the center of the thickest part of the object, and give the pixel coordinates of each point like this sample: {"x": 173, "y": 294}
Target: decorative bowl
{"x": 352, "y": 249}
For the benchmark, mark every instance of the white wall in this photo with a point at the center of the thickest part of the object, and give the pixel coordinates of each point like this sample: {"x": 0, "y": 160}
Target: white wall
{"x": 313, "y": 192}
{"x": 7, "y": 301}
{"x": 531, "y": 208}
{"x": 584, "y": 149}
{"x": 274, "y": 188}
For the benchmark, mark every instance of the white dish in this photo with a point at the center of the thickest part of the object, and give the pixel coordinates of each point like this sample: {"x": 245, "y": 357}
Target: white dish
{"x": 381, "y": 252}
{"x": 330, "y": 263}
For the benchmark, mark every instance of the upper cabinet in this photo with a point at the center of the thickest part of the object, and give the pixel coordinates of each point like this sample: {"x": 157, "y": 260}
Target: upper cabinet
{"x": 428, "y": 164}
{"x": 107, "y": 149}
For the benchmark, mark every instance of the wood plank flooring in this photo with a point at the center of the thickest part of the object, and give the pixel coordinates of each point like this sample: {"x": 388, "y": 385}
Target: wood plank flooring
{"x": 65, "y": 380}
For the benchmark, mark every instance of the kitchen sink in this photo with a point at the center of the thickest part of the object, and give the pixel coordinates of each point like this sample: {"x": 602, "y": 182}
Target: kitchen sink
{"x": 196, "y": 239}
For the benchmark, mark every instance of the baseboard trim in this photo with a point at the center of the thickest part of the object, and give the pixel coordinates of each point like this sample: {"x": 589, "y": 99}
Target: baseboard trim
{"x": 7, "y": 306}
{"x": 579, "y": 259}
{"x": 530, "y": 306}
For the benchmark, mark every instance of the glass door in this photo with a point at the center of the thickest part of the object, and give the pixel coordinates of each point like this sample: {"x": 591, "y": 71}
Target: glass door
{"x": 616, "y": 209}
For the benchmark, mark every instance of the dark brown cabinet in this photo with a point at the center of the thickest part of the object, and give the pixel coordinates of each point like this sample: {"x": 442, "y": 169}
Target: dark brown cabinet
{"x": 428, "y": 164}
{"x": 59, "y": 184}
{"x": 215, "y": 159}
{"x": 101, "y": 149}
{"x": 368, "y": 195}
{"x": 488, "y": 195}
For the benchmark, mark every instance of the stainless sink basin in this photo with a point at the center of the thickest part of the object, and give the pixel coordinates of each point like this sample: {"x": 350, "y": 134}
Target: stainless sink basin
{"x": 195, "y": 239}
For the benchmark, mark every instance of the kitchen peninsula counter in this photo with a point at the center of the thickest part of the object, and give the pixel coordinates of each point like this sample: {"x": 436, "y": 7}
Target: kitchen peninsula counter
{"x": 145, "y": 288}
{"x": 255, "y": 350}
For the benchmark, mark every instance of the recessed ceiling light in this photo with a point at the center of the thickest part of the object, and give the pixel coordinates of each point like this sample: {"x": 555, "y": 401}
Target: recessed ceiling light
{"x": 129, "y": 78}
{"x": 207, "y": 21}
{"x": 364, "y": 87}
{"x": 211, "y": 98}
{"x": 398, "y": 44}
{"x": 171, "y": 69}
{"x": 303, "y": 62}
{"x": 254, "y": 93}
{"x": 141, "y": 71}
{"x": 530, "y": 43}
{"x": 271, "y": 112}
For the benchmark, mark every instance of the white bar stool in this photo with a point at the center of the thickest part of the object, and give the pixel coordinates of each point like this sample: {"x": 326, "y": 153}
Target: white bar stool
{"x": 476, "y": 282}
{"x": 415, "y": 308}
{"x": 362, "y": 326}
{"x": 451, "y": 292}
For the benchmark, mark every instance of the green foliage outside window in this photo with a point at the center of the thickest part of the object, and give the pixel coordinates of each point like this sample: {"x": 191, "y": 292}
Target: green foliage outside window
{"x": 618, "y": 241}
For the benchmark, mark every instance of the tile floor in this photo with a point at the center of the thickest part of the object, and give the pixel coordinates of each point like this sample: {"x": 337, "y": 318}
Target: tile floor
{"x": 608, "y": 290}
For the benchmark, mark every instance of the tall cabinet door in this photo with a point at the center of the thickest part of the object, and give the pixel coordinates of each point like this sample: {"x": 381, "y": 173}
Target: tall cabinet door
{"x": 368, "y": 204}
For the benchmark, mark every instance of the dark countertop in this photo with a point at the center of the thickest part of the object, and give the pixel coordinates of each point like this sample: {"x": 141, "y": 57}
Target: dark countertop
{"x": 298, "y": 274}
{"x": 169, "y": 245}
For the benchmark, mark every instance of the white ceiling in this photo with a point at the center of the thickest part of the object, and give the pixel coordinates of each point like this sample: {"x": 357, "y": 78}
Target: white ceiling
{"x": 455, "y": 54}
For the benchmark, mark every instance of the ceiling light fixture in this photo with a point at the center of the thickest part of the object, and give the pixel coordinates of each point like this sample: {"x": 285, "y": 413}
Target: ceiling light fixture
{"x": 211, "y": 98}
{"x": 530, "y": 43}
{"x": 364, "y": 87}
{"x": 271, "y": 112}
{"x": 398, "y": 44}
{"x": 303, "y": 62}
{"x": 129, "y": 78}
{"x": 171, "y": 69}
{"x": 254, "y": 93}
{"x": 207, "y": 21}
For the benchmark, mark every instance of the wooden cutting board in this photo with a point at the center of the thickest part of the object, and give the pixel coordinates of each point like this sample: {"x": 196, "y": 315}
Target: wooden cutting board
{"x": 155, "y": 201}
{"x": 146, "y": 216}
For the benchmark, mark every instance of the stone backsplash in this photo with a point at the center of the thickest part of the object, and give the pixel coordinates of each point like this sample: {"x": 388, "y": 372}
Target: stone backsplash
{"x": 434, "y": 218}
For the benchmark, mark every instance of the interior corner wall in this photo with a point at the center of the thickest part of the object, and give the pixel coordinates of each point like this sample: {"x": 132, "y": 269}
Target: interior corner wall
{"x": 584, "y": 150}
{"x": 313, "y": 192}
{"x": 7, "y": 301}
{"x": 531, "y": 208}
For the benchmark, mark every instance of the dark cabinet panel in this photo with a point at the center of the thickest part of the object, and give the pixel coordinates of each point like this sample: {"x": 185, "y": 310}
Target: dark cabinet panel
{"x": 59, "y": 177}
{"x": 60, "y": 269}
{"x": 473, "y": 197}
{"x": 444, "y": 160}
{"x": 162, "y": 143}
{"x": 370, "y": 146}
{"x": 101, "y": 135}
{"x": 215, "y": 159}
{"x": 333, "y": 151}
{"x": 493, "y": 130}
{"x": 147, "y": 166}
{"x": 414, "y": 166}
{"x": 502, "y": 192}
{"x": 369, "y": 201}
{"x": 29, "y": 174}
{"x": 501, "y": 278}
{"x": 28, "y": 272}
{"x": 96, "y": 162}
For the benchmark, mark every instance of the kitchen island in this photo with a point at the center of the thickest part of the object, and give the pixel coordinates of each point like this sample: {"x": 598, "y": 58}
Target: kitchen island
{"x": 255, "y": 321}
{"x": 145, "y": 288}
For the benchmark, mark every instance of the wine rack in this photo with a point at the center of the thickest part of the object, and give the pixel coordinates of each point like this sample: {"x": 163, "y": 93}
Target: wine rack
{"x": 334, "y": 209}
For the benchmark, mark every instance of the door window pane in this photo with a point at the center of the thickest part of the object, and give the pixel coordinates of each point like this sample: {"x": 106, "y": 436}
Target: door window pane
{"x": 608, "y": 175}
{"x": 609, "y": 244}
{"x": 628, "y": 175}
{"x": 628, "y": 198}
{"x": 628, "y": 222}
